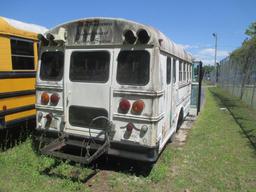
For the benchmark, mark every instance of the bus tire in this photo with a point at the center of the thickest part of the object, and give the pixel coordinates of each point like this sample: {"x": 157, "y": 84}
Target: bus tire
{"x": 180, "y": 120}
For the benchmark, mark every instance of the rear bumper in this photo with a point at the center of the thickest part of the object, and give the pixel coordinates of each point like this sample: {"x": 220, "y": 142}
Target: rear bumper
{"x": 117, "y": 148}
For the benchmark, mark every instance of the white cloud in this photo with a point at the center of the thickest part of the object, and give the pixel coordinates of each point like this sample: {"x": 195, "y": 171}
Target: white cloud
{"x": 204, "y": 53}
{"x": 207, "y": 55}
{"x": 211, "y": 52}
{"x": 186, "y": 46}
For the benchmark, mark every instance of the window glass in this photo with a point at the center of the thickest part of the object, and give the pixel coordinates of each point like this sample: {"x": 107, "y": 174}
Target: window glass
{"x": 168, "y": 70}
{"x": 174, "y": 71}
{"x": 184, "y": 71}
{"x": 133, "y": 67}
{"x": 22, "y": 54}
{"x": 187, "y": 71}
{"x": 52, "y": 66}
{"x": 90, "y": 66}
{"x": 180, "y": 70}
{"x": 83, "y": 116}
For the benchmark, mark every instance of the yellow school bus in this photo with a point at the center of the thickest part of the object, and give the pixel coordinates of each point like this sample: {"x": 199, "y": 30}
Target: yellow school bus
{"x": 18, "y": 64}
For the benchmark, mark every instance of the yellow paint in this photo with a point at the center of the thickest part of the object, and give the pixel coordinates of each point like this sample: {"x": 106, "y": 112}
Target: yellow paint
{"x": 7, "y": 29}
{"x": 20, "y": 101}
{"x": 9, "y": 85}
{"x": 15, "y": 102}
{"x": 20, "y": 115}
{"x": 35, "y": 55}
{"x": 5, "y": 54}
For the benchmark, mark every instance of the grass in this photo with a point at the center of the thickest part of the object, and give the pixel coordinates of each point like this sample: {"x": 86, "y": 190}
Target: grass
{"x": 219, "y": 155}
{"x": 22, "y": 170}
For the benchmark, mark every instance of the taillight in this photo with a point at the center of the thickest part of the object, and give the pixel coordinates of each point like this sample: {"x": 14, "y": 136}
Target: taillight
{"x": 4, "y": 108}
{"x": 124, "y": 105}
{"x": 44, "y": 98}
{"x": 130, "y": 127}
{"x": 55, "y": 99}
{"x": 138, "y": 106}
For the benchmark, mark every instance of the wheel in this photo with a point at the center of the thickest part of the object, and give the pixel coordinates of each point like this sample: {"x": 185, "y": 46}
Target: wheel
{"x": 180, "y": 120}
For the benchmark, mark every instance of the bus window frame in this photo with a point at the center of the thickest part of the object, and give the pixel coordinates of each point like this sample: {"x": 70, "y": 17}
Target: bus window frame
{"x": 91, "y": 51}
{"x": 40, "y": 65}
{"x": 25, "y": 56}
{"x": 149, "y": 68}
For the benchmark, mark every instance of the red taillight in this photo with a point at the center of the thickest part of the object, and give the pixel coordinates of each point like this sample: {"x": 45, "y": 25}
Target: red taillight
{"x": 130, "y": 127}
{"x": 124, "y": 105}
{"x": 48, "y": 117}
{"x": 44, "y": 98}
{"x": 4, "y": 108}
{"x": 138, "y": 106}
{"x": 55, "y": 99}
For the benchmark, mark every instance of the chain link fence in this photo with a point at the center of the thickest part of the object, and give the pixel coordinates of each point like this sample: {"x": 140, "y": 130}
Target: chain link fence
{"x": 238, "y": 77}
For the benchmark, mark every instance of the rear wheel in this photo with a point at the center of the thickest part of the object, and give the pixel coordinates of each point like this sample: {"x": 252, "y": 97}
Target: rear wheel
{"x": 180, "y": 120}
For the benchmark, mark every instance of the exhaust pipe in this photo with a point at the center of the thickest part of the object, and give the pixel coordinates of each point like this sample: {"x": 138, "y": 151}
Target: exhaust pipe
{"x": 143, "y": 36}
{"x": 129, "y": 36}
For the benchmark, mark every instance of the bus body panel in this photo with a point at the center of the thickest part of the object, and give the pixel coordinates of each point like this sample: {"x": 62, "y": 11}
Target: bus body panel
{"x": 17, "y": 77}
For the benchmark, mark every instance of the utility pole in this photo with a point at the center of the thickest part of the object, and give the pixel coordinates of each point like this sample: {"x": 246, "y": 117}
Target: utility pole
{"x": 215, "y": 56}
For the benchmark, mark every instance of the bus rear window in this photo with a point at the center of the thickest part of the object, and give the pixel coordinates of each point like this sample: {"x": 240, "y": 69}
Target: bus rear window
{"x": 89, "y": 66}
{"x": 133, "y": 68}
{"x": 52, "y": 66}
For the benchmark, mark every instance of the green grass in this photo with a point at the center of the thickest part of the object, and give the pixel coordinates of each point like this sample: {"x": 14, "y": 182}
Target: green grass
{"x": 219, "y": 155}
{"x": 22, "y": 170}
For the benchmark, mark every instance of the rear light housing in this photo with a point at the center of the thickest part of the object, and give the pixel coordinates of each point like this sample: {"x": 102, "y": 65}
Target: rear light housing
{"x": 138, "y": 106}
{"x": 143, "y": 36}
{"x": 130, "y": 127}
{"x": 40, "y": 116}
{"x": 48, "y": 120}
{"x": 45, "y": 98}
{"x": 124, "y": 105}
{"x": 55, "y": 98}
{"x": 129, "y": 36}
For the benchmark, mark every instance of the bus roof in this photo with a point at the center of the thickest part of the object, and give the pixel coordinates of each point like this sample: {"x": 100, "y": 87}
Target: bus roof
{"x": 109, "y": 31}
{"x": 20, "y": 29}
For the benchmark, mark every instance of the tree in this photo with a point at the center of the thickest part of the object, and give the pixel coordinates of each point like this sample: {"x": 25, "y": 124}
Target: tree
{"x": 251, "y": 30}
{"x": 245, "y": 58}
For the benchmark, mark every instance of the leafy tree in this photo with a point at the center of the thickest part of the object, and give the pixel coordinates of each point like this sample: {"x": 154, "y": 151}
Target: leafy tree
{"x": 208, "y": 69}
{"x": 251, "y": 30}
{"x": 245, "y": 57}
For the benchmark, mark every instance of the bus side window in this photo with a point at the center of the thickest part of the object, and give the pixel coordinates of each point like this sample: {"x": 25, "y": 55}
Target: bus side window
{"x": 174, "y": 70}
{"x": 168, "y": 70}
{"x": 180, "y": 71}
{"x": 188, "y": 70}
{"x": 184, "y": 71}
{"x": 22, "y": 54}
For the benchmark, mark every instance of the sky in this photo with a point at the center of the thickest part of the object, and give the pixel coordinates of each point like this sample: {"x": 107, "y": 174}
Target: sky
{"x": 189, "y": 23}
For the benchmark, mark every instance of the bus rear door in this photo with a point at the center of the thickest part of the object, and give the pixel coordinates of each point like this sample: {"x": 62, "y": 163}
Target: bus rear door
{"x": 87, "y": 91}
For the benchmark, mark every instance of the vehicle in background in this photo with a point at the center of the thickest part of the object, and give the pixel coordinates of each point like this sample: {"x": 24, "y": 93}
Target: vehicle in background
{"x": 18, "y": 64}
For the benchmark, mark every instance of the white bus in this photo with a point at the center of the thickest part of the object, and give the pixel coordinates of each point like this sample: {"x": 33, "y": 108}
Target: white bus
{"x": 113, "y": 86}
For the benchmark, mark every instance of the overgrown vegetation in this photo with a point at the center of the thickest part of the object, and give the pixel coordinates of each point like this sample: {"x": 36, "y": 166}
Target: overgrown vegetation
{"x": 218, "y": 156}
{"x": 245, "y": 55}
{"x": 238, "y": 72}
